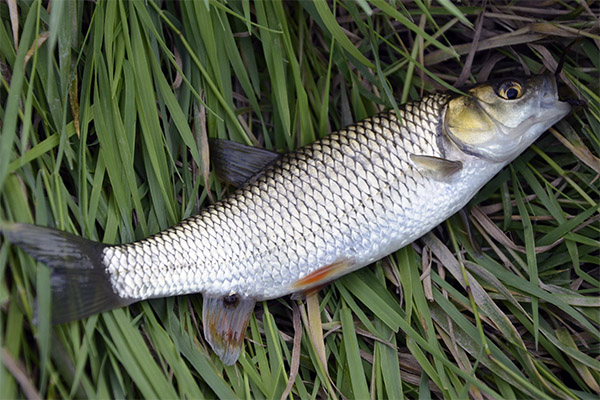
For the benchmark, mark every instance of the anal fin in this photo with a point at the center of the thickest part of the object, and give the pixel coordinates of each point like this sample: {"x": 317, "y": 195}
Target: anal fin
{"x": 225, "y": 320}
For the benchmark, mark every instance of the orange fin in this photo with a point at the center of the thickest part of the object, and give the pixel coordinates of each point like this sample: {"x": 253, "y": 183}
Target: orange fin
{"x": 319, "y": 277}
{"x": 307, "y": 292}
{"x": 225, "y": 320}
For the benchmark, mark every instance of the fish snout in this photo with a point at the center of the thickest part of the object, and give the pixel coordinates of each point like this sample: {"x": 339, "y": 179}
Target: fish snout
{"x": 548, "y": 91}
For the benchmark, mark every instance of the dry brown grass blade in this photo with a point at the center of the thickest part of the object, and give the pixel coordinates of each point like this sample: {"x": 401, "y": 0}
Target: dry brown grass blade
{"x": 316, "y": 327}
{"x": 552, "y": 65}
{"x": 469, "y": 61}
{"x": 489, "y": 312}
{"x": 315, "y": 330}
{"x": 576, "y": 145}
{"x": 36, "y": 44}
{"x": 178, "y": 77}
{"x": 554, "y": 29}
{"x": 563, "y": 335}
{"x": 497, "y": 207}
{"x": 523, "y": 35}
{"x": 488, "y": 66}
{"x": 74, "y": 102}
{"x": 202, "y": 137}
{"x": 18, "y": 371}
{"x": 14, "y": 20}
{"x": 462, "y": 359}
{"x": 495, "y": 232}
{"x": 425, "y": 277}
{"x": 295, "y": 364}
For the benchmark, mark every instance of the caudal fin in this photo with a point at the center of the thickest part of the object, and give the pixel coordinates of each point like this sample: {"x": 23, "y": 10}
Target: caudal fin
{"x": 80, "y": 284}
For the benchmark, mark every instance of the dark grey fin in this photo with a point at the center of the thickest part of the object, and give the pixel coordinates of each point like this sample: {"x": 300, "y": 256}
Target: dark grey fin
{"x": 438, "y": 168}
{"x": 225, "y": 320}
{"x": 235, "y": 163}
{"x": 80, "y": 284}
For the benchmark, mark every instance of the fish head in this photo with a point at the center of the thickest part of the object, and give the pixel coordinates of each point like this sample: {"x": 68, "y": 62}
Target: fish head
{"x": 498, "y": 120}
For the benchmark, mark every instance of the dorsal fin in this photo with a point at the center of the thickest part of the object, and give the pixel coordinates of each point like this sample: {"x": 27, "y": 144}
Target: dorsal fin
{"x": 235, "y": 163}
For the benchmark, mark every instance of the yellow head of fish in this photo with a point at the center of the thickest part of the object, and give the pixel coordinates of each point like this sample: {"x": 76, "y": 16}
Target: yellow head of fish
{"x": 500, "y": 119}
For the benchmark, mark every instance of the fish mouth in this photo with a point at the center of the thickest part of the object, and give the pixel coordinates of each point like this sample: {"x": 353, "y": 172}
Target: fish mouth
{"x": 549, "y": 96}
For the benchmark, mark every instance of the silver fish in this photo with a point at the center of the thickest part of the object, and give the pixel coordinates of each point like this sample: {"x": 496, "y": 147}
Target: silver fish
{"x": 311, "y": 216}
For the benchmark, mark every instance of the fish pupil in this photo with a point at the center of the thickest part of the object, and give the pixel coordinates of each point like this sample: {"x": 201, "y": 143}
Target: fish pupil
{"x": 231, "y": 301}
{"x": 512, "y": 93}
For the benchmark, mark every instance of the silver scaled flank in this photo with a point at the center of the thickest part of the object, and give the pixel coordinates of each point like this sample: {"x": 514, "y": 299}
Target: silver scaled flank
{"x": 353, "y": 196}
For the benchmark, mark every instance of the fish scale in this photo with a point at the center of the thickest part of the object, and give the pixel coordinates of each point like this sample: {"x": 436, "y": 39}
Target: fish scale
{"x": 311, "y": 216}
{"x": 336, "y": 199}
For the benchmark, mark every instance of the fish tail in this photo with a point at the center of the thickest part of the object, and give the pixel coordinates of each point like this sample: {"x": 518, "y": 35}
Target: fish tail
{"x": 80, "y": 284}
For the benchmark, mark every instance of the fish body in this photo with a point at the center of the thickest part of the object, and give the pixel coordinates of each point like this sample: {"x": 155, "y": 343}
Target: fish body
{"x": 348, "y": 200}
{"x": 313, "y": 215}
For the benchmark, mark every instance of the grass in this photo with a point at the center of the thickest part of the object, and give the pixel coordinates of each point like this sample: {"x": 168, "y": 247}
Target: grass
{"x": 105, "y": 112}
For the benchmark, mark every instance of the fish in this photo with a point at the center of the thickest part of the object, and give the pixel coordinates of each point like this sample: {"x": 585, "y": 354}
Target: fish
{"x": 303, "y": 219}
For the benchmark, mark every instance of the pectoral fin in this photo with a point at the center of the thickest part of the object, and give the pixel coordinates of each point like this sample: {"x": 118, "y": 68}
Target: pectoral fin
{"x": 235, "y": 163}
{"x": 225, "y": 320}
{"x": 438, "y": 168}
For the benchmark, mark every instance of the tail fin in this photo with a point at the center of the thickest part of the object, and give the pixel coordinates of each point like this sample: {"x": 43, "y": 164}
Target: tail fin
{"x": 80, "y": 283}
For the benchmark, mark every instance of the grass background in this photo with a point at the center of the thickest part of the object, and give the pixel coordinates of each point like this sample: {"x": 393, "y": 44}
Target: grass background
{"x": 105, "y": 112}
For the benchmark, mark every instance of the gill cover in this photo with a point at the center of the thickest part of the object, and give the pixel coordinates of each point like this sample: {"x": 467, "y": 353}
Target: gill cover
{"x": 499, "y": 120}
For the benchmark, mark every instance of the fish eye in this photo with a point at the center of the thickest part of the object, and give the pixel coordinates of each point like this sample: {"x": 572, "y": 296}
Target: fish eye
{"x": 509, "y": 90}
